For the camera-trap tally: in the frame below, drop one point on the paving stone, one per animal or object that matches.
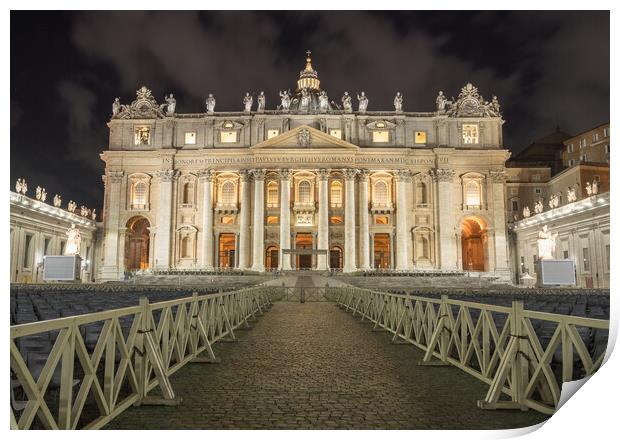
(313, 366)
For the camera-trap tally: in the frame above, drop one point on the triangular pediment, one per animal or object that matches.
(305, 138)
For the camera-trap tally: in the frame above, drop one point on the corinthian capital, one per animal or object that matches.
(115, 176)
(323, 173)
(442, 174)
(349, 173)
(259, 174)
(206, 175)
(167, 175)
(285, 174)
(498, 175)
(245, 175)
(402, 175)
(363, 175)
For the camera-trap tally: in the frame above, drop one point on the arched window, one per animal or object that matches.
(336, 193)
(304, 192)
(272, 194)
(139, 194)
(472, 194)
(186, 247)
(420, 193)
(228, 193)
(188, 193)
(381, 193)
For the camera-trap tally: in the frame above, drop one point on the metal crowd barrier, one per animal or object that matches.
(499, 347)
(137, 349)
(302, 294)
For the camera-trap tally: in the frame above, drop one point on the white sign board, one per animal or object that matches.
(61, 267)
(556, 273)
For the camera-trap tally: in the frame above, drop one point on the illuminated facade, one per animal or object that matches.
(310, 185)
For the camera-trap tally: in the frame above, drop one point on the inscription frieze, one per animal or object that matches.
(250, 160)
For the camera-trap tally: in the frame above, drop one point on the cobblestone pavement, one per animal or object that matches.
(314, 366)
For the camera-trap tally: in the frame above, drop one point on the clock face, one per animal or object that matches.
(469, 107)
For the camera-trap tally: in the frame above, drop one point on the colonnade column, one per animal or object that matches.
(403, 178)
(244, 220)
(323, 223)
(499, 223)
(164, 218)
(206, 177)
(109, 271)
(445, 213)
(349, 220)
(284, 262)
(258, 248)
(364, 231)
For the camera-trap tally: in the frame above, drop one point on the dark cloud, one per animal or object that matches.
(547, 68)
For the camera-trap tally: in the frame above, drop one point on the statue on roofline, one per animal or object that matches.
(211, 103)
(247, 102)
(362, 102)
(398, 102)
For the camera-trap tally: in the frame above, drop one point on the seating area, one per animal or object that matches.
(410, 280)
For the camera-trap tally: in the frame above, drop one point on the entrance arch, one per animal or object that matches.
(335, 257)
(271, 257)
(473, 244)
(137, 244)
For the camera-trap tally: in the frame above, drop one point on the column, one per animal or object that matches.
(403, 180)
(363, 212)
(164, 218)
(258, 248)
(109, 271)
(349, 220)
(499, 223)
(284, 261)
(323, 221)
(244, 221)
(206, 177)
(445, 213)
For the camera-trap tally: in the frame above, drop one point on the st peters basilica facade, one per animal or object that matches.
(309, 185)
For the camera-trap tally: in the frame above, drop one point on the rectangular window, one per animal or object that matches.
(380, 137)
(420, 137)
(536, 178)
(571, 163)
(595, 137)
(537, 191)
(142, 136)
(227, 220)
(571, 148)
(382, 220)
(523, 265)
(565, 255)
(607, 148)
(582, 143)
(46, 246)
(62, 247)
(272, 133)
(190, 138)
(335, 133)
(273, 219)
(606, 132)
(585, 252)
(27, 249)
(583, 158)
(470, 133)
(515, 205)
(228, 137)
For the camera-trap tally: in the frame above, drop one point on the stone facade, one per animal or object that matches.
(305, 186)
(583, 229)
(39, 229)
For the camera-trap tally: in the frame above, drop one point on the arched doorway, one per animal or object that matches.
(271, 258)
(473, 242)
(137, 244)
(303, 240)
(335, 258)
(382, 251)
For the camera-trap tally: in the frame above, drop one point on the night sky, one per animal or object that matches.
(547, 68)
